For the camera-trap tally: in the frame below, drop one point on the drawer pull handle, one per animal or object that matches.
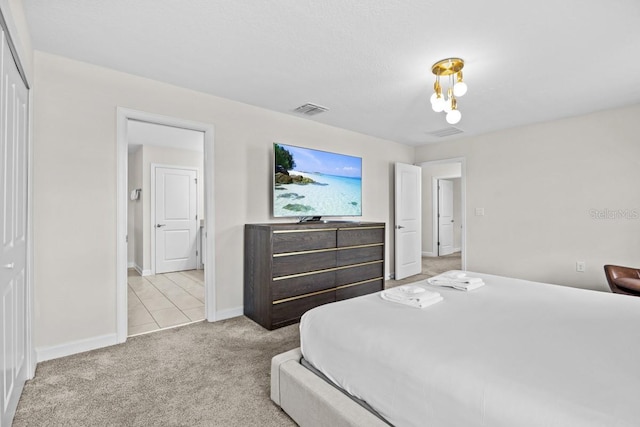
(326, 270)
(324, 291)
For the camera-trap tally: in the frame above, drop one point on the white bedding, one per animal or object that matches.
(512, 353)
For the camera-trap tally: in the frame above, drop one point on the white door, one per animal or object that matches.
(13, 255)
(176, 223)
(445, 217)
(408, 213)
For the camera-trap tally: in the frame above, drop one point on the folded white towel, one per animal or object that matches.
(411, 295)
(469, 286)
(453, 274)
(450, 280)
(456, 279)
(407, 290)
(426, 296)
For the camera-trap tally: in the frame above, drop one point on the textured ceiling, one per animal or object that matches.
(368, 61)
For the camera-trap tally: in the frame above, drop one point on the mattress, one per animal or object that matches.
(511, 353)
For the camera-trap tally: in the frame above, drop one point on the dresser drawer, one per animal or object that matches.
(359, 255)
(290, 312)
(358, 290)
(360, 236)
(300, 285)
(301, 263)
(303, 240)
(349, 275)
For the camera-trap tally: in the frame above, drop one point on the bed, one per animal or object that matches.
(511, 353)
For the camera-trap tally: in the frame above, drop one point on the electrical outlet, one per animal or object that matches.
(580, 266)
(479, 211)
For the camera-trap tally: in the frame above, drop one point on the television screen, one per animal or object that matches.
(313, 183)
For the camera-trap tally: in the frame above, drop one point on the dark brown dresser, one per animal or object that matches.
(291, 268)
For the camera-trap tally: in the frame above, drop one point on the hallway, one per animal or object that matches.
(164, 300)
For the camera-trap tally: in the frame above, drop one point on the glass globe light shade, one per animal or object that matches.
(434, 97)
(438, 105)
(453, 117)
(459, 88)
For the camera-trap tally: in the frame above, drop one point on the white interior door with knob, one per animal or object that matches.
(445, 217)
(408, 213)
(13, 233)
(176, 222)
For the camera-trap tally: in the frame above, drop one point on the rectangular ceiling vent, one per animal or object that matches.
(441, 133)
(310, 109)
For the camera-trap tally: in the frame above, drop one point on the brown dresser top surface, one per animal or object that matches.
(316, 224)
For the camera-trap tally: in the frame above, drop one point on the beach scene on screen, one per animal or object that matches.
(316, 183)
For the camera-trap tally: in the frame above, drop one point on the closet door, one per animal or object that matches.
(13, 226)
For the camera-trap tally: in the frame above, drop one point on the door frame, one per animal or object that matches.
(32, 357)
(463, 203)
(123, 116)
(152, 209)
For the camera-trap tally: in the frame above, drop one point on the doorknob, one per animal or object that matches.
(451, 220)
(160, 225)
(9, 266)
(398, 227)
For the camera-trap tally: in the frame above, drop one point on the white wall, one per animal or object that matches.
(430, 171)
(75, 154)
(541, 186)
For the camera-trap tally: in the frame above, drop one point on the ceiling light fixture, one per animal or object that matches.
(451, 68)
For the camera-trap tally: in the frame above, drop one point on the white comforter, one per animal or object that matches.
(512, 353)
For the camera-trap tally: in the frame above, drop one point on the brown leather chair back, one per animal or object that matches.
(623, 280)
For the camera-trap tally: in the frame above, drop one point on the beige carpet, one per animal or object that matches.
(203, 374)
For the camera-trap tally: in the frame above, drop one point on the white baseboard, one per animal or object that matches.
(457, 250)
(74, 347)
(131, 264)
(229, 313)
(141, 271)
(80, 346)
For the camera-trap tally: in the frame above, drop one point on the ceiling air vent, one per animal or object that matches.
(441, 133)
(309, 109)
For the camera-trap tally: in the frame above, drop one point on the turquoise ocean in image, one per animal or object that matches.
(330, 195)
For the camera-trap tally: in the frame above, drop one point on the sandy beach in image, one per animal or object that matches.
(329, 195)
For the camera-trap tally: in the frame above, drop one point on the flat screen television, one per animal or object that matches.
(312, 183)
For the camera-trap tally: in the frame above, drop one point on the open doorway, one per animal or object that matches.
(433, 262)
(443, 216)
(165, 276)
(447, 210)
(165, 196)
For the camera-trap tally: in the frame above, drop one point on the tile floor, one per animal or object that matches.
(164, 300)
